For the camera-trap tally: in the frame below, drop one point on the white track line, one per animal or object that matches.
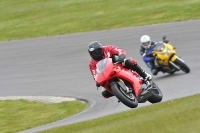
(44, 99)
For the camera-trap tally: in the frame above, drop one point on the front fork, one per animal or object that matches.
(172, 62)
(144, 94)
(125, 88)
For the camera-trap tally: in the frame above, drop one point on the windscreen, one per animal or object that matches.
(159, 47)
(101, 65)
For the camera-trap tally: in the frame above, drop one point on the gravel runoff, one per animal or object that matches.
(43, 99)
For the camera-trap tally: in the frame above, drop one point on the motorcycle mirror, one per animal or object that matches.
(164, 37)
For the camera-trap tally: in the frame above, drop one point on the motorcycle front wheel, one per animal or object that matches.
(156, 94)
(182, 65)
(127, 98)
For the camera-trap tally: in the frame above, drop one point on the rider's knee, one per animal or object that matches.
(130, 62)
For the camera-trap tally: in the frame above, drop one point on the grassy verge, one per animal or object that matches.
(21, 114)
(175, 116)
(24, 19)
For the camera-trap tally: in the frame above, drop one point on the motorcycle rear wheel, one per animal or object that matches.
(128, 99)
(157, 95)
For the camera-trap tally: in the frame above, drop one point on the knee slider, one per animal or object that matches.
(130, 62)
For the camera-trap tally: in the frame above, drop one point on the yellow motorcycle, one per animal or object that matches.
(166, 59)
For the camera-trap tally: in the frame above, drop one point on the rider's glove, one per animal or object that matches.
(121, 58)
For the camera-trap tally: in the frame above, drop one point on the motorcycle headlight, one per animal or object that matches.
(168, 52)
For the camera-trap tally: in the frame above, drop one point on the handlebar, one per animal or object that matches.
(116, 63)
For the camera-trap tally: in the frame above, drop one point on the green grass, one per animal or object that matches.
(174, 116)
(34, 18)
(21, 114)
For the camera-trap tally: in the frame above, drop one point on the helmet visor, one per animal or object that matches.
(145, 43)
(97, 54)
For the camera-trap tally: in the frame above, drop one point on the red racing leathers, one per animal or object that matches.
(108, 52)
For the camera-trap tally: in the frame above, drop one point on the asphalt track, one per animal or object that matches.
(58, 66)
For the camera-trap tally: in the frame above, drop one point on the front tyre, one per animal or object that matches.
(182, 65)
(156, 94)
(127, 98)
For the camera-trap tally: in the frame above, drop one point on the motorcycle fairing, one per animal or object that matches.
(131, 78)
(164, 52)
(116, 71)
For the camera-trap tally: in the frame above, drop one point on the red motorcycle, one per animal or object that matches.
(126, 84)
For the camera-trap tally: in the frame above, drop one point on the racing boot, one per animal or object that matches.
(154, 71)
(105, 93)
(146, 77)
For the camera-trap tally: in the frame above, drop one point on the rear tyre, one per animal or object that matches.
(182, 65)
(128, 99)
(156, 94)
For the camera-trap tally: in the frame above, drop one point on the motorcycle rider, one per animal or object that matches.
(99, 52)
(146, 52)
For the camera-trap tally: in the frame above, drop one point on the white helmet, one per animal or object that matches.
(146, 41)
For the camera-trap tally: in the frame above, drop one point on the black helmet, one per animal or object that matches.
(95, 50)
